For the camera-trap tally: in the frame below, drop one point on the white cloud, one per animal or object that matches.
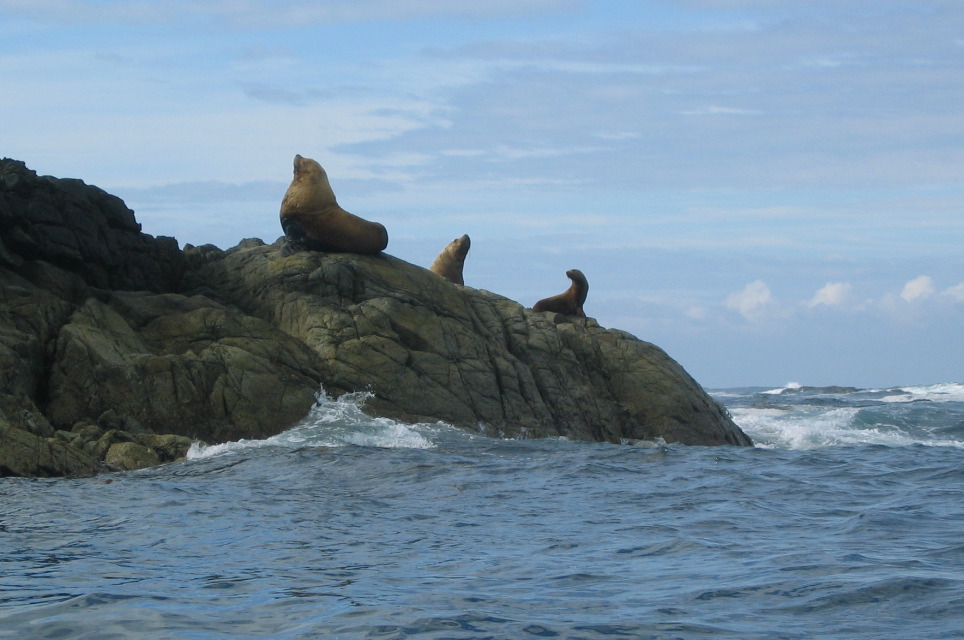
(956, 292)
(721, 111)
(696, 313)
(751, 301)
(832, 294)
(919, 287)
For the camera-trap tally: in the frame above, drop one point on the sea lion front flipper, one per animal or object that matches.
(295, 237)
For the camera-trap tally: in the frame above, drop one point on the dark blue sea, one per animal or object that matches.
(845, 521)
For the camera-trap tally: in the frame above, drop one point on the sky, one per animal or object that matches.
(772, 191)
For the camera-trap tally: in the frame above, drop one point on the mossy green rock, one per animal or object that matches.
(181, 365)
(127, 456)
(25, 454)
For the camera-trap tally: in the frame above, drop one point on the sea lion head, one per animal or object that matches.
(577, 276)
(309, 189)
(580, 285)
(450, 261)
(460, 246)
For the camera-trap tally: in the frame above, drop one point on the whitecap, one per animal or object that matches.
(332, 423)
(943, 392)
(812, 428)
(791, 386)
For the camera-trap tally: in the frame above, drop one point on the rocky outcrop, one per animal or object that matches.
(110, 337)
(80, 229)
(179, 364)
(431, 350)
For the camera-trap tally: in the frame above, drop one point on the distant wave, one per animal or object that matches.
(791, 386)
(945, 392)
(800, 417)
(796, 387)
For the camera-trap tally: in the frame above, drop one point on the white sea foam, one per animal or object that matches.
(945, 392)
(331, 423)
(791, 386)
(813, 429)
(723, 393)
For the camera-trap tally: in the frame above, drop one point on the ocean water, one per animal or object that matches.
(845, 521)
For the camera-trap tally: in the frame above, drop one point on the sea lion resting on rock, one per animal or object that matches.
(449, 263)
(312, 219)
(569, 302)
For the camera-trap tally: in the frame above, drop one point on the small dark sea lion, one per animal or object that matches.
(570, 301)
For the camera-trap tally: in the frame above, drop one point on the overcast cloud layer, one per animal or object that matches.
(770, 191)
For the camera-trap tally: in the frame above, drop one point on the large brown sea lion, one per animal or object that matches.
(312, 219)
(449, 263)
(569, 302)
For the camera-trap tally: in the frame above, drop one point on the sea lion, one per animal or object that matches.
(449, 263)
(569, 302)
(312, 218)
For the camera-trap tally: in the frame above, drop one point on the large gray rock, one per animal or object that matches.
(432, 350)
(29, 319)
(127, 456)
(180, 365)
(117, 349)
(25, 454)
(81, 229)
